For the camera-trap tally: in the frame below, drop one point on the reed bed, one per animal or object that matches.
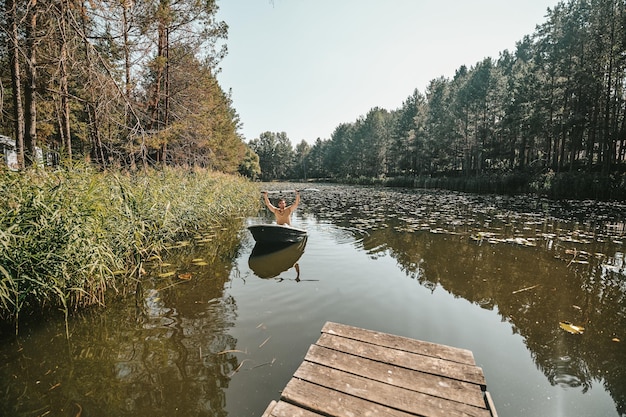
(68, 237)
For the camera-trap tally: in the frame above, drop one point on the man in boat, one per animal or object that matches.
(282, 212)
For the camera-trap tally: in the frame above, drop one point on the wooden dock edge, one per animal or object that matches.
(490, 404)
(268, 410)
(326, 385)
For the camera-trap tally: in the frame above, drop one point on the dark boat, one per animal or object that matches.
(273, 233)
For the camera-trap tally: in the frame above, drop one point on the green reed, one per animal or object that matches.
(68, 237)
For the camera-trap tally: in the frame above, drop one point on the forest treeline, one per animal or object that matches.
(121, 83)
(132, 83)
(548, 117)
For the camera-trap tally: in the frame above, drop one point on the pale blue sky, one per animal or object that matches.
(305, 66)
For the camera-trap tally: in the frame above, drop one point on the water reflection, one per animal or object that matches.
(537, 262)
(198, 333)
(269, 260)
(165, 350)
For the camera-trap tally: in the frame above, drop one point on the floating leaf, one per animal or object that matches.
(180, 244)
(166, 274)
(185, 276)
(571, 328)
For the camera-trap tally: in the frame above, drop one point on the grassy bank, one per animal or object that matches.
(67, 238)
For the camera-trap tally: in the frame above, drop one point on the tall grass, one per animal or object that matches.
(68, 237)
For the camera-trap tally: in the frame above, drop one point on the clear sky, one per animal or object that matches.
(305, 66)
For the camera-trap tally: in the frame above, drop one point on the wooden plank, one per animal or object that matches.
(380, 393)
(284, 409)
(402, 343)
(351, 371)
(490, 404)
(417, 362)
(332, 403)
(268, 410)
(450, 389)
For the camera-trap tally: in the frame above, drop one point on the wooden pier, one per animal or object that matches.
(350, 371)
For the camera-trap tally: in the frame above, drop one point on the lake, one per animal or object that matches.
(534, 288)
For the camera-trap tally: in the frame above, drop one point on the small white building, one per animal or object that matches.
(9, 153)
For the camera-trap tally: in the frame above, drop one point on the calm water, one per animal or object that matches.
(494, 275)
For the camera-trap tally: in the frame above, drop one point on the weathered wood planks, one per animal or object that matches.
(352, 371)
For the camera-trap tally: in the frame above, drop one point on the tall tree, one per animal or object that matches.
(91, 97)
(440, 125)
(30, 90)
(408, 153)
(301, 155)
(338, 152)
(16, 78)
(249, 166)
(374, 134)
(62, 13)
(275, 154)
(316, 159)
(203, 131)
(174, 21)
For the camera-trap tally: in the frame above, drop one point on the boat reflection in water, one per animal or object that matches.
(268, 260)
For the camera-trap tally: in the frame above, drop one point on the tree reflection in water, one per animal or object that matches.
(168, 353)
(568, 265)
